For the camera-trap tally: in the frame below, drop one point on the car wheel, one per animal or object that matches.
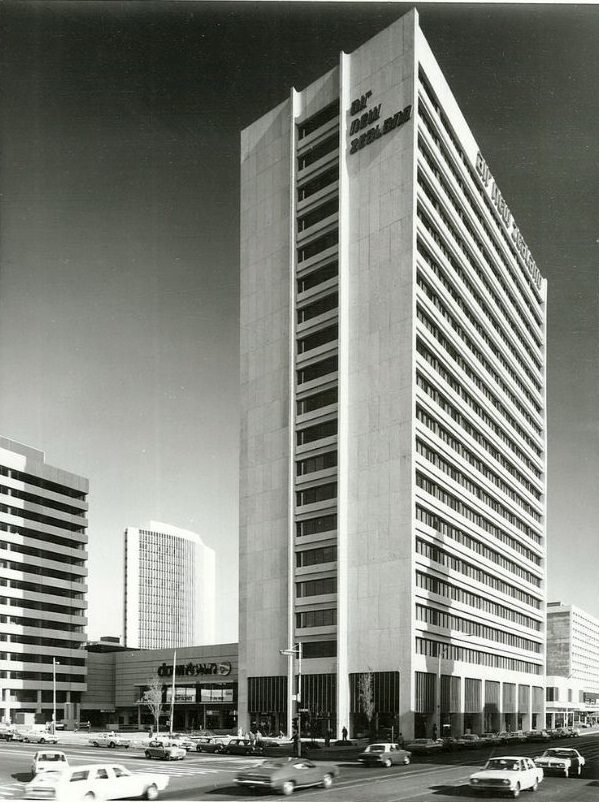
(41, 741)
(95, 743)
(533, 788)
(111, 745)
(89, 797)
(387, 763)
(148, 755)
(406, 761)
(516, 791)
(151, 792)
(287, 788)
(327, 781)
(198, 748)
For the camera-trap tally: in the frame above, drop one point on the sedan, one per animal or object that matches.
(385, 754)
(425, 745)
(564, 761)
(284, 776)
(163, 750)
(100, 780)
(34, 737)
(508, 774)
(242, 746)
(214, 745)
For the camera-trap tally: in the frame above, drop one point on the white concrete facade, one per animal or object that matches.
(43, 585)
(169, 581)
(392, 512)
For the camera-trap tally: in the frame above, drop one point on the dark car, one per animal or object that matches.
(243, 746)
(213, 744)
(284, 776)
(384, 754)
(163, 750)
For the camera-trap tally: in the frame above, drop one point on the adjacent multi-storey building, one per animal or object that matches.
(43, 585)
(572, 665)
(169, 597)
(393, 446)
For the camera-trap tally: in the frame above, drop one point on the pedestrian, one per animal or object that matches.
(327, 738)
(344, 733)
(295, 739)
(434, 732)
(400, 740)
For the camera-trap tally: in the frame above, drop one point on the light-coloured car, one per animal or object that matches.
(111, 740)
(384, 754)
(39, 737)
(425, 745)
(48, 760)
(563, 761)
(508, 775)
(285, 776)
(98, 781)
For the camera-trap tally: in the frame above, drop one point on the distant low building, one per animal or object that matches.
(169, 598)
(572, 682)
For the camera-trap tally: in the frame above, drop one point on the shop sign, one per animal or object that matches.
(367, 116)
(195, 669)
(507, 218)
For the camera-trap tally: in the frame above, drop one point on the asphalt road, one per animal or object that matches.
(210, 778)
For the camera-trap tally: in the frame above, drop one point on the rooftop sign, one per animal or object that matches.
(507, 218)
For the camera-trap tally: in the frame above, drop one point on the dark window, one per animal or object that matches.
(319, 182)
(317, 370)
(317, 401)
(316, 215)
(316, 618)
(317, 463)
(316, 587)
(326, 554)
(312, 495)
(318, 307)
(314, 526)
(317, 277)
(317, 245)
(319, 648)
(313, 433)
(321, 337)
(317, 120)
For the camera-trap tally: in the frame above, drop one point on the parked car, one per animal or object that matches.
(490, 738)
(563, 761)
(111, 740)
(99, 780)
(573, 732)
(470, 741)
(537, 735)
(48, 760)
(285, 776)
(425, 745)
(384, 754)
(11, 734)
(213, 744)
(243, 746)
(164, 750)
(508, 774)
(39, 737)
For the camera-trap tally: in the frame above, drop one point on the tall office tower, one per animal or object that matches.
(573, 645)
(392, 513)
(43, 586)
(169, 597)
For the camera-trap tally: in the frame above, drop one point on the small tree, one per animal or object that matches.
(152, 698)
(366, 696)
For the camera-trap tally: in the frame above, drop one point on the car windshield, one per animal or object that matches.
(272, 764)
(558, 753)
(502, 764)
(375, 748)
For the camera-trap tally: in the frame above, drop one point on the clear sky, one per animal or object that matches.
(119, 256)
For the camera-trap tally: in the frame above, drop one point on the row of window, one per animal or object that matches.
(320, 337)
(447, 589)
(317, 120)
(42, 554)
(460, 391)
(476, 183)
(45, 624)
(444, 558)
(318, 307)
(36, 481)
(459, 272)
(447, 530)
(482, 467)
(38, 640)
(460, 301)
(42, 519)
(317, 525)
(431, 648)
(457, 327)
(41, 501)
(41, 571)
(318, 463)
(318, 214)
(324, 179)
(318, 151)
(311, 495)
(440, 618)
(45, 537)
(316, 246)
(30, 604)
(458, 209)
(317, 432)
(35, 587)
(317, 370)
(473, 488)
(318, 400)
(482, 387)
(316, 618)
(316, 587)
(323, 554)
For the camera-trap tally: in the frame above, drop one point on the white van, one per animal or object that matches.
(48, 760)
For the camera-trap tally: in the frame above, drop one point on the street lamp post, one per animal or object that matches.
(54, 664)
(295, 653)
